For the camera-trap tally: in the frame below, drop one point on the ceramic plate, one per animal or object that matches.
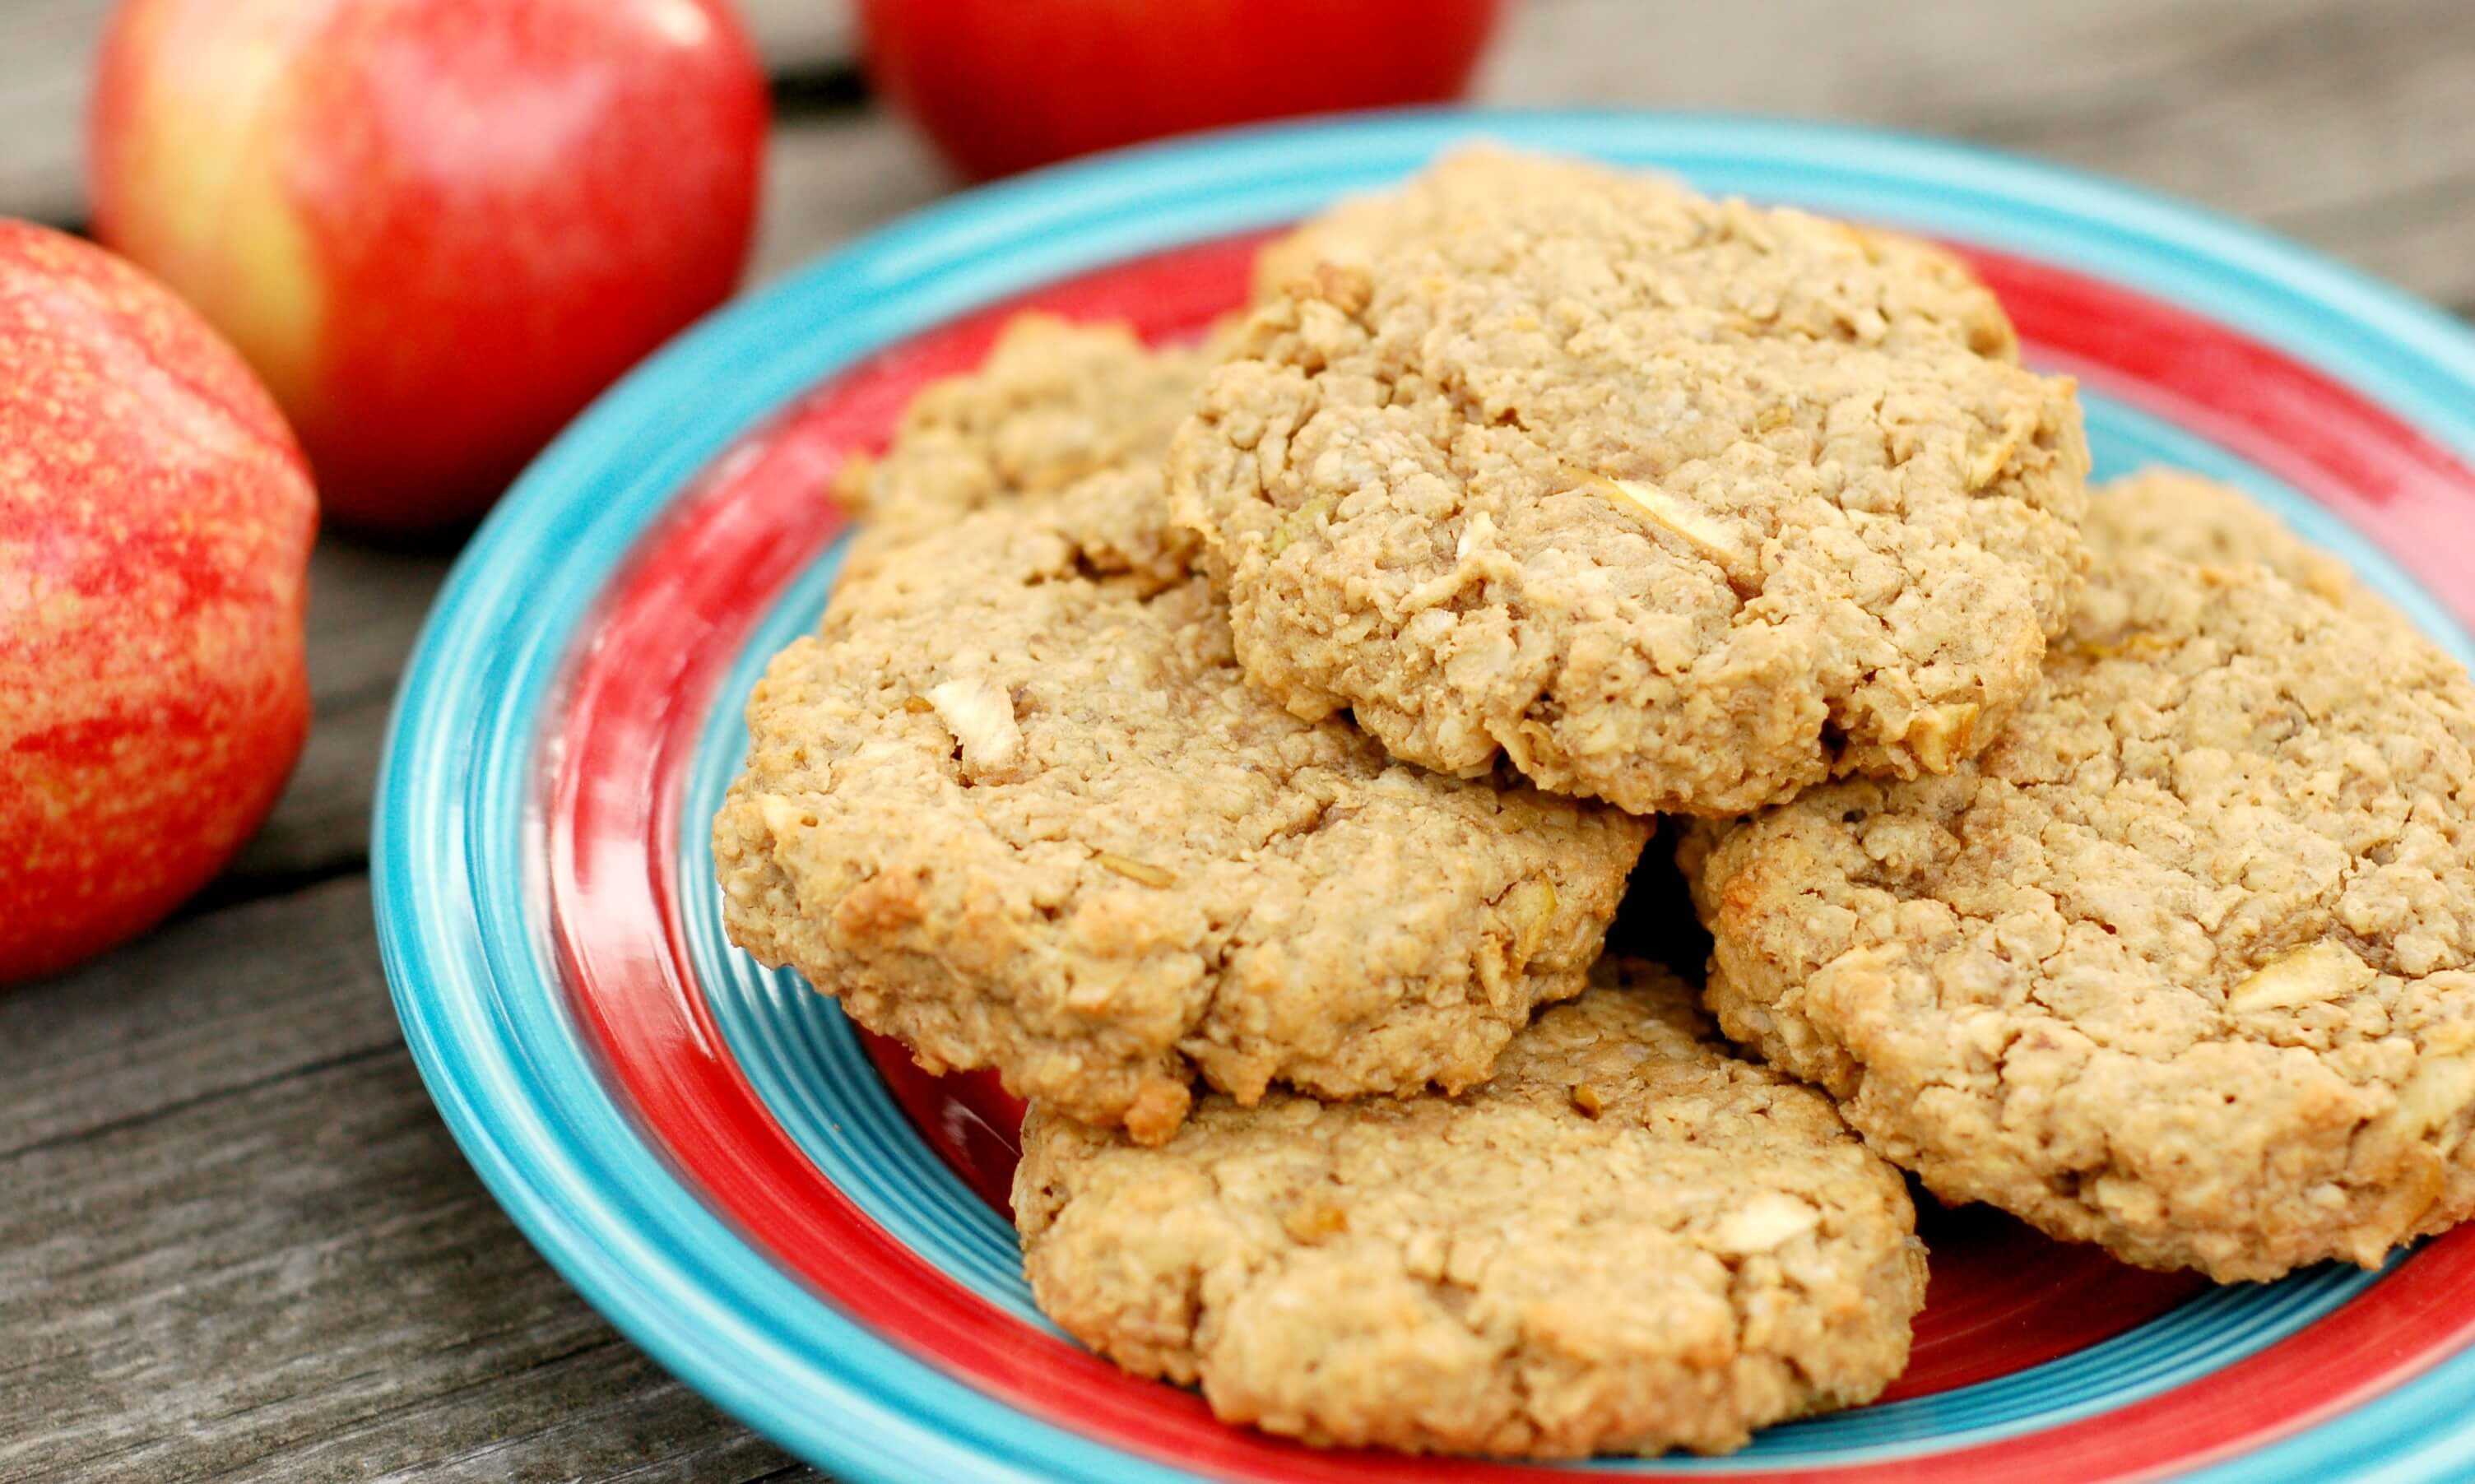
(811, 1232)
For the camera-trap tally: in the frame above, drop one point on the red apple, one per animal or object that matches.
(1005, 85)
(435, 227)
(154, 527)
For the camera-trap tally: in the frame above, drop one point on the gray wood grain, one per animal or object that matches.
(235, 1240)
(238, 1243)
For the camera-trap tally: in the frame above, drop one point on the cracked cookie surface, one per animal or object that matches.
(1674, 502)
(1014, 804)
(2180, 965)
(1628, 1240)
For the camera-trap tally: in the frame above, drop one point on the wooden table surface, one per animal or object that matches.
(236, 1242)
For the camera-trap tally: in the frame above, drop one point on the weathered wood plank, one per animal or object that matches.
(190, 1013)
(46, 48)
(237, 1242)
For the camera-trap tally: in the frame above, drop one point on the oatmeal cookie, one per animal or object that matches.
(2171, 513)
(1015, 805)
(2180, 965)
(1628, 1241)
(1679, 503)
(1080, 413)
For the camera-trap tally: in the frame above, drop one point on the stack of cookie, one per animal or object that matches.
(1243, 749)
